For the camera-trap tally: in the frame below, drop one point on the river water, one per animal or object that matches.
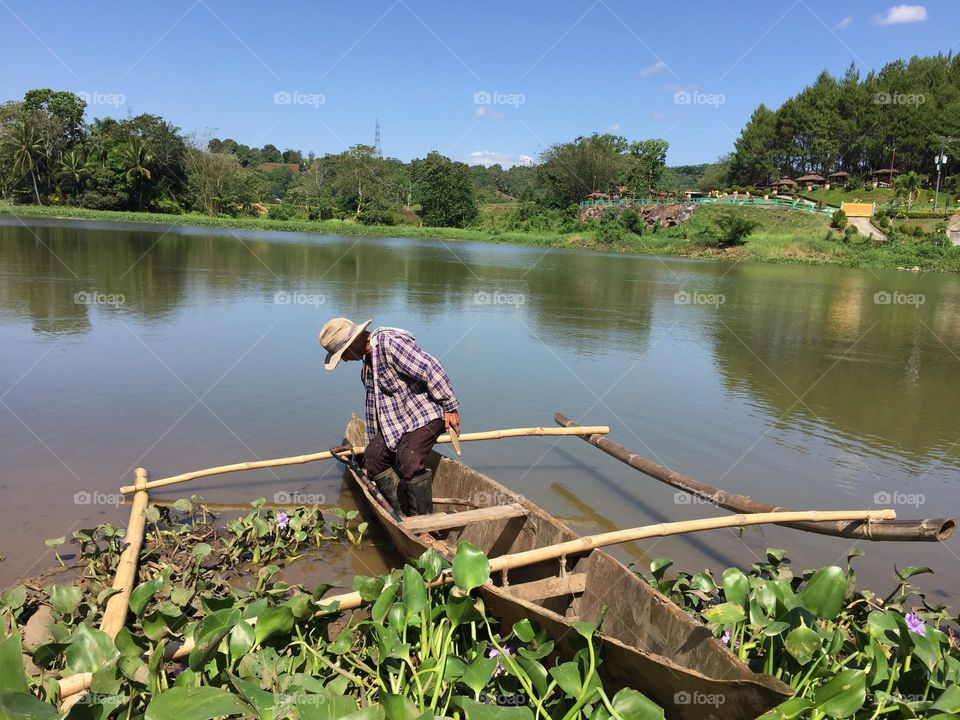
(181, 348)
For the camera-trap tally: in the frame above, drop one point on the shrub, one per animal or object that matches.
(850, 232)
(168, 206)
(632, 221)
(839, 220)
(281, 212)
(732, 229)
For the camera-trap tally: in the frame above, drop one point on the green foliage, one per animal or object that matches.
(839, 220)
(732, 228)
(847, 653)
(281, 212)
(444, 190)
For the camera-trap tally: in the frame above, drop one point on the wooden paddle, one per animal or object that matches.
(326, 455)
(455, 441)
(347, 601)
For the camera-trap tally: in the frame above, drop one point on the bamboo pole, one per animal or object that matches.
(115, 613)
(930, 530)
(349, 601)
(326, 455)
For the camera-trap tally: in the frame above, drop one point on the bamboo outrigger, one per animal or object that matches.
(929, 530)
(650, 643)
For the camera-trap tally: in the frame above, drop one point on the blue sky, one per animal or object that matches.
(476, 81)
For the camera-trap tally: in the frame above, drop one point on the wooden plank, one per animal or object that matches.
(444, 521)
(549, 587)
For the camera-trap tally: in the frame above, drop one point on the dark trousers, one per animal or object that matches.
(408, 459)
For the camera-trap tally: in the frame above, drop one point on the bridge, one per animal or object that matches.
(759, 202)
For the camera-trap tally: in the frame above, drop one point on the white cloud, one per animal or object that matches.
(659, 116)
(613, 128)
(900, 14)
(658, 66)
(843, 24)
(491, 157)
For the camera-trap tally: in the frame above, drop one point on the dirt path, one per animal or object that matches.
(864, 227)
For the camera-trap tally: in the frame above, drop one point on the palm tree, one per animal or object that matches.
(72, 169)
(136, 158)
(910, 183)
(25, 144)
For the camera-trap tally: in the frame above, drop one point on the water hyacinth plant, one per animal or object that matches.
(415, 650)
(849, 654)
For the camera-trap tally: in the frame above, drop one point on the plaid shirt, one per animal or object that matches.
(405, 387)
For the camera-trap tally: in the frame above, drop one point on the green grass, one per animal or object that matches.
(782, 235)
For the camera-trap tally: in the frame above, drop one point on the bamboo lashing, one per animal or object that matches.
(349, 601)
(326, 455)
(115, 612)
(929, 530)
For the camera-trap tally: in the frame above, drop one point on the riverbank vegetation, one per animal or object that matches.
(264, 648)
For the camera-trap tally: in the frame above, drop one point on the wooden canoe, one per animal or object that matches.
(650, 643)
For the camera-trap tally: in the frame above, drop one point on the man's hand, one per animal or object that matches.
(343, 447)
(451, 420)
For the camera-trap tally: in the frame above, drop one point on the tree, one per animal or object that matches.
(444, 190)
(136, 161)
(71, 172)
(754, 158)
(732, 229)
(361, 186)
(312, 190)
(26, 147)
(216, 180)
(568, 172)
(649, 158)
(271, 154)
(910, 183)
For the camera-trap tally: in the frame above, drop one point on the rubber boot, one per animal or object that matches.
(388, 483)
(418, 494)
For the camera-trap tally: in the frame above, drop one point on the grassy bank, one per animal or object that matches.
(781, 235)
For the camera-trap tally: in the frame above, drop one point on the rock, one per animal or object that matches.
(953, 228)
(915, 268)
(664, 215)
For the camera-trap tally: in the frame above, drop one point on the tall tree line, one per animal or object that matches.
(857, 124)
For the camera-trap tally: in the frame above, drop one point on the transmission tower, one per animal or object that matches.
(378, 151)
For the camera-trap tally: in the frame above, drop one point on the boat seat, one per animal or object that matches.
(445, 521)
(549, 587)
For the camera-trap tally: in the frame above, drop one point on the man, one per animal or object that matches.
(409, 403)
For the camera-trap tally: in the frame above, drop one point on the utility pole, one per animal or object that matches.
(376, 141)
(940, 160)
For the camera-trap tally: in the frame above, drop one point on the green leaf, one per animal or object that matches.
(142, 593)
(263, 701)
(523, 629)
(803, 644)
(634, 705)
(23, 706)
(273, 621)
(379, 610)
(13, 678)
(536, 672)
(479, 672)
(843, 695)
(201, 551)
(909, 572)
(480, 711)
(195, 703)
(89, 649)
(326, 706)
(208, 635)
(788, 710)
(736, 586)
(183, 505)
(242, 639)
(414, 592)
(949, 701)
(823, 594)
(567, 676)
(461, 610)
(432, 564)
(725, 614)
(14, 597)
(471, 568)
(65, 598)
